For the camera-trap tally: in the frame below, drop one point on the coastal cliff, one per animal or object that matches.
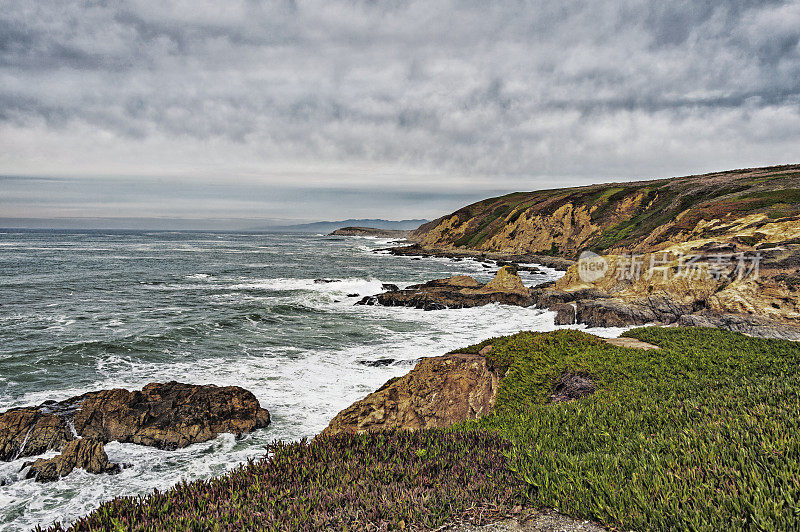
(751, 207)
(717, 249)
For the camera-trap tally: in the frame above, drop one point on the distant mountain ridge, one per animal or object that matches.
(328, 227)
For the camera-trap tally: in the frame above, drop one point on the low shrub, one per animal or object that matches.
(374, 481)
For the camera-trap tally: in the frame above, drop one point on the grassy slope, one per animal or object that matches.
(701, 435)
(674, 205)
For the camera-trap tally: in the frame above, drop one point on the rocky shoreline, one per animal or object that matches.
(370, 231)
(460, 291)
(516, 259)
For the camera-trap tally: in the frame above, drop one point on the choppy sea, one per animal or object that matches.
(83, 311)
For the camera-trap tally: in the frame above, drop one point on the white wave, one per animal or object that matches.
(336, 287)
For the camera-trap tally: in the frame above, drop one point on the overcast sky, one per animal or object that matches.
(336, 109)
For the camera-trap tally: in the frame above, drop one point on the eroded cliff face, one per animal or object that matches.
(752, 213)
(758, 205)
(438, 392)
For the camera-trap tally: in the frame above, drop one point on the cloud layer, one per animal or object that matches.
(446, 93)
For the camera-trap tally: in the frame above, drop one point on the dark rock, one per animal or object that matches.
(85, 453)
(565, 313)
(557, 263)
(390, 287)
(612, 313)
(353, 295)
(166, 416)
(28, 432)
(377, 363)
(325, 281)
(572, 386)
(547, 297)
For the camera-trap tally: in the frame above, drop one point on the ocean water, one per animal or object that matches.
(83, 311)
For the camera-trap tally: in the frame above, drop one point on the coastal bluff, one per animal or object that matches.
(713, 250)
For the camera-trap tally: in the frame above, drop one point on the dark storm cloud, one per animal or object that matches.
(517, 93)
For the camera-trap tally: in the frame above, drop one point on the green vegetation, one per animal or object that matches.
(376, 481)
(703, 434)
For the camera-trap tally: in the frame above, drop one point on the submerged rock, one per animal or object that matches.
(85, 453)
(438, 392)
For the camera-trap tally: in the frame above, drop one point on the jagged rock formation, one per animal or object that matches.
(460, 291)
(85, 453)
(417, 250)
(438, 392)
(29, 431)
(166, 416)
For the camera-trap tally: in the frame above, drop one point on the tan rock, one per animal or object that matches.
(507, 281)
(438, 392)
(633, 343)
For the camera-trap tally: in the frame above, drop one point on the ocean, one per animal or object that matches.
(83, 311)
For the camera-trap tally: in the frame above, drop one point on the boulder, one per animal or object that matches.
(85, 453)
(507, 281)
(612, 313)
(565, 313)
(438, 392)
(166, 416)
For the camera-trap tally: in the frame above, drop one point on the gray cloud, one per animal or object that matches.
(501, 95)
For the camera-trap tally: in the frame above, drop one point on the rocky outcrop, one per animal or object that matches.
(461, 291)
(30, 431)
(166, 416)
(438, 392)
(610, 313)
(85, 453)
(370, 231)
